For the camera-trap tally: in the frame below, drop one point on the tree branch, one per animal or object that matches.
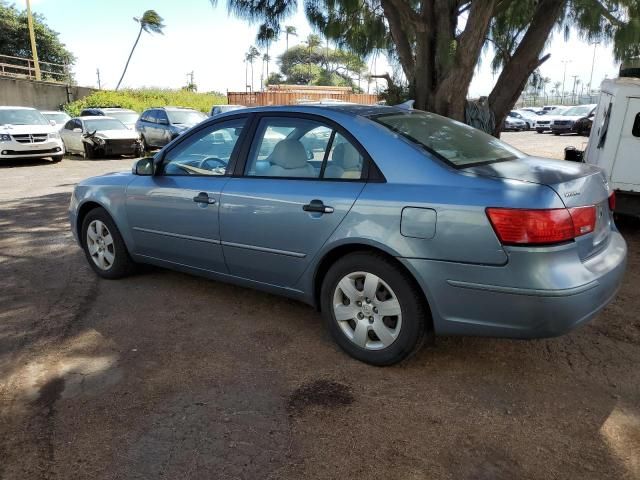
(400, 38)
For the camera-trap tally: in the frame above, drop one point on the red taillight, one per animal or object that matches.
(612, 201)
(526, 227)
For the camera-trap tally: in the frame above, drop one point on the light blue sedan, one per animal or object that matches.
(396, 224)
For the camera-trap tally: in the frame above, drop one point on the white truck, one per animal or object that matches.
(614, 141)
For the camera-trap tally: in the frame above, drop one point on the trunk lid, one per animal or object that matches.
(577, 185)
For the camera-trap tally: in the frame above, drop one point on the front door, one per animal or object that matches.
(174, 215)
(300, 180)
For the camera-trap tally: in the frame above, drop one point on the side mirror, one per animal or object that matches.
(52, 123)
(144, 166)
(77, 130)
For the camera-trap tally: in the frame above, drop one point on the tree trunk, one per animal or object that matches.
(129, 59)
(524, 61)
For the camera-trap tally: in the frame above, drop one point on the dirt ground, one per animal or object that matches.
(164, 375)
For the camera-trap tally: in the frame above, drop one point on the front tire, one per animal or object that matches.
(374, 310)
(56, 158)
(89, 152)
(103, 246)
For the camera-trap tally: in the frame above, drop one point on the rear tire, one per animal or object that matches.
(103, 246)
(539, 131)
(356, 292)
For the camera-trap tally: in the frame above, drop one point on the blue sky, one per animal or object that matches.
(206, 40)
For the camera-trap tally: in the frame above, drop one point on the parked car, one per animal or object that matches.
(543, 123)
(583, 125)
(512, 123)
(60, 118)
(529, 118)
(410, 224)
(534, 110)
(218, 109)
(566, 122)
(100, 136)
(125, 115)
(25, 133)
(158, 126)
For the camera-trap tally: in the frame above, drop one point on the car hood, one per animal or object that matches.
(26, 129)
(117, 134)
(569, 117)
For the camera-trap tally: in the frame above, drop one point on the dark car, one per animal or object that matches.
(583, 126)
(126, 116)
(158, 126)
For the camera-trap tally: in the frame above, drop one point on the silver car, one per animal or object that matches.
(396, 224)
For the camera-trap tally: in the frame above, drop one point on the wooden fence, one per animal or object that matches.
(255, 99)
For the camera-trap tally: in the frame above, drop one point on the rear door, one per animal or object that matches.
(280, 209)
(626, 169)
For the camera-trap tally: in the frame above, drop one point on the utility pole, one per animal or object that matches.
(573, 90)
(564, 75)
(190, 79)
(593, 62)
(98, 74)
(32, 35)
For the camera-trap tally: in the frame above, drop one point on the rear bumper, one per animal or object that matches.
(536, 295)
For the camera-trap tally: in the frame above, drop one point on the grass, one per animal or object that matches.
(141, 99)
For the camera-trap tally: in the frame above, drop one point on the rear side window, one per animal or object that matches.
(454, 142)
(635, 131)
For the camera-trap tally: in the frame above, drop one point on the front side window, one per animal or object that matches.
(455, 142)
(207, 152)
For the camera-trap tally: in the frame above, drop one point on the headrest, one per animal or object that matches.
(289, 153)
(346, 156)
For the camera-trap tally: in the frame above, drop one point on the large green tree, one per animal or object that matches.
(14, 40)
(437, 43)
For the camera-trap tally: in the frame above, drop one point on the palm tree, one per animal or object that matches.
(265, 59)
(150, 22)
(290, 30)
(265, 36)
(250, 56)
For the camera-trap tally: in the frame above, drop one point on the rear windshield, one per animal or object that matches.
(187, 117)
(21, 116)
(454, 142)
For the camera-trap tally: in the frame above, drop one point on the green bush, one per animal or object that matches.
(142, 99)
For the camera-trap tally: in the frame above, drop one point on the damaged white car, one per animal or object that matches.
(97, 137)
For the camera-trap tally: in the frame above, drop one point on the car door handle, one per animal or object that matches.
(317, 206)
(202, 197)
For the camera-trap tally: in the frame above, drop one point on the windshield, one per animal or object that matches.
(59, 118)
(125, 117)
(22, 117)
(187, 117)
(457, 143)
(103, 124)
(581, 111)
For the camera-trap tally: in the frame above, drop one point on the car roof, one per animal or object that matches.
(53, 111)
(356, 110)
(8, 107)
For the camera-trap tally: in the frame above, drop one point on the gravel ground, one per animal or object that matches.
(164, 375)
(544, 144)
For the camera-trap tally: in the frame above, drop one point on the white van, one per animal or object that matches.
(25, 133)
(614, 142)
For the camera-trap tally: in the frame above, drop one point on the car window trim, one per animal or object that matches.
(160, 157)
(368, 166)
